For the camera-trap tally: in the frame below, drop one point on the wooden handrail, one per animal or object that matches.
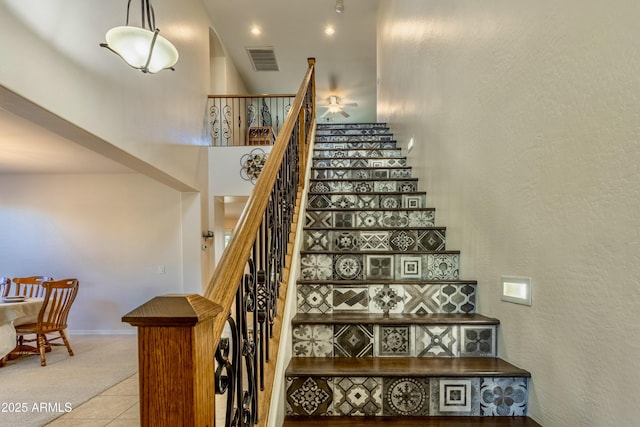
(179, 336)
(228, 274)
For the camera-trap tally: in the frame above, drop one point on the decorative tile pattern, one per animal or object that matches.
(358, 163)
(403, 240)
(368, 219)
(431, 240)
(422, 299)
(367, 202)
(407, 186)
(316, 267)
(361, 174)
(395, 219)
(436, 340)
(313, 340)
(421, 218)
(353, 340)
(339, 174)
(309, 396)
(405, 396)
(411, 202)
(319, 201)
(319, 187)
(344, 201)
(316, 240)
(344, 220)
(409, 267)
(379, 267)
(455, 396)
(458, 299)
(385, 186)
(318, 219)
(341, 186)
(363, 187)
(393, 340)
(350, 298)
(390, 202)
(345, 241)
(386, 299)
(381, 174)
(315, 298)
(504, 396)
(443, 266)
(347, 267)
(400, 173)
(358, 396)
(478, 341)
(374, 240)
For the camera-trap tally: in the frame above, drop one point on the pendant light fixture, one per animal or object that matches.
(143, 48)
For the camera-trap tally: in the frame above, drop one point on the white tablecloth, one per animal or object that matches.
(8, 313)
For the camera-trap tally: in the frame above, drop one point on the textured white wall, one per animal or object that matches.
(525, 117)
(113, 240)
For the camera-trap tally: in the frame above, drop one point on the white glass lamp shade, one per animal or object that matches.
(135, 46)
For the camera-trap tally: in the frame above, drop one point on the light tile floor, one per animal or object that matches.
(115, 407)
(118, 406)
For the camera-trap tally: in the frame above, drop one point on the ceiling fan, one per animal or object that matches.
(335, 107)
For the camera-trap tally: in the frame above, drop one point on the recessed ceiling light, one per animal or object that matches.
(329, 30)
(255, 30)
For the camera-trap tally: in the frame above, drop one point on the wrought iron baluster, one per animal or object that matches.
(227, 120)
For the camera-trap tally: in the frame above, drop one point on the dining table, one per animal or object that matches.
(9, 313)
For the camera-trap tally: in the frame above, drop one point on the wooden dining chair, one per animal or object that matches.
(4, 282)
(30, 287)
(52, 319)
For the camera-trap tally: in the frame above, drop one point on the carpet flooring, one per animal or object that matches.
(100, 361)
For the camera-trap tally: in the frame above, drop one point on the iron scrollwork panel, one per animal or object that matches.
(242, 356)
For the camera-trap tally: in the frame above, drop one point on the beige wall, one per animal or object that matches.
(114, 241)
(525, 122)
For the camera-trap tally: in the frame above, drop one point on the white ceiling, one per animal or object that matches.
(345, 61)
(345, 67)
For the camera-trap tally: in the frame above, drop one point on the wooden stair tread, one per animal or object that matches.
(393, 319)
(436, 421)
(403, 367)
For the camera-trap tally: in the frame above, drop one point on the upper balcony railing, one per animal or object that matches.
(247, 119)
(180, 336)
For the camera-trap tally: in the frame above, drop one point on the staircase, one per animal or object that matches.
(386, 332)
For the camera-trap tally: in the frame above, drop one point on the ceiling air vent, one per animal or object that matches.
(263, 58)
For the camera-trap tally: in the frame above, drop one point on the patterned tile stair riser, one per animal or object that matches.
(407, 396)
(341, 219)
(378, 284)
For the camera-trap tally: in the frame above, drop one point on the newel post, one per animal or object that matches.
(176, 360)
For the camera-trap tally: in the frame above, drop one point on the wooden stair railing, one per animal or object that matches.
(179, 335)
